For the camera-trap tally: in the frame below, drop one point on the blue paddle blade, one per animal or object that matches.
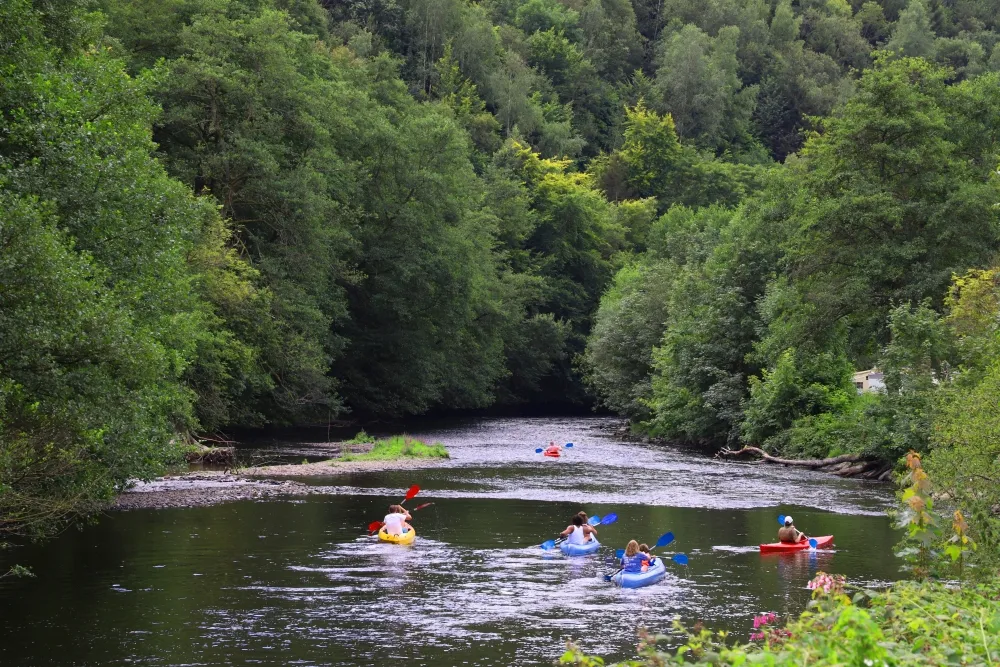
(549, 544)
(569, 444)
(610, 518)
(594, 520)
(664, 540)
(781, 518)
(619, 553)
(680, 559)
(538, 451)
(812, 543)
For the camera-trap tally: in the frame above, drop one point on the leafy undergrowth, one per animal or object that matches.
(912, 623)
(396, 447)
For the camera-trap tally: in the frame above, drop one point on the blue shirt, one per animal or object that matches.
(633, 564)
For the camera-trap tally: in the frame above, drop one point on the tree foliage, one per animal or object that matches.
(287, 211)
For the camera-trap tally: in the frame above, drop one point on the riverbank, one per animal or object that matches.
(912, 624)
(208, 487)
(850, 466)
(198, 489)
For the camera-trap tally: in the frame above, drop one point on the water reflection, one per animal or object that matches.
(297, 582)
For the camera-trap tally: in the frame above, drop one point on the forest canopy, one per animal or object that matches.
(702, 215)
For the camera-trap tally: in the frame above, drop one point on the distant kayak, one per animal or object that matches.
(580, 549)
(824, 542)
(554, 453)
(655, 573)
(405, 538)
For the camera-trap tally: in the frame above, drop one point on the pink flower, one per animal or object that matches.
(827, 583)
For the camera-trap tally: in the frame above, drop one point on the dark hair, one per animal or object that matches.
(644, 547)
(577, 521)
(582, 515)
(396, 509)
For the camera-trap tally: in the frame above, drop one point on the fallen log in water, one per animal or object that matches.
(803, 463)
(212, 455)
(845, 465)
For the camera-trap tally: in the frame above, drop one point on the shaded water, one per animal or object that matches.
(293, 582)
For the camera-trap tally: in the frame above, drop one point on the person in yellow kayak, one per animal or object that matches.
(396, 520)
(788, 534)
(578, 531)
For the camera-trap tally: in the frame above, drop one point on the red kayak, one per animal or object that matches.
(824, 542)
(551, 452)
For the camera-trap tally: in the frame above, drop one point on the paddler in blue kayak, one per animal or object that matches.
(578, 531)
(644, 549)
(635, 561)
(788, 534)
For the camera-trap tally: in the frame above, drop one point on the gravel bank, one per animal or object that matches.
(209, 487)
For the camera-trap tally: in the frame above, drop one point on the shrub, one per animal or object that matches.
(400, 447)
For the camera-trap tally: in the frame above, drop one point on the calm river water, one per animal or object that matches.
(294, 582)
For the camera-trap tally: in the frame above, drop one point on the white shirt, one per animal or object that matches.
(394, 523)
(577, 536)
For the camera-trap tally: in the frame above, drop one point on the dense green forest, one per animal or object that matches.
(703, 215)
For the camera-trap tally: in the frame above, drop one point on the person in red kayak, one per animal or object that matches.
(788, 534)
(553, 449)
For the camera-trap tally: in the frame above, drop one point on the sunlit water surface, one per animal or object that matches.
(294, 581)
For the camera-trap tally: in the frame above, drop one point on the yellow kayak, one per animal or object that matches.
(405, 538)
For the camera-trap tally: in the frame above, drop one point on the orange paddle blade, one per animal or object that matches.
(374, 526)
(414, 490)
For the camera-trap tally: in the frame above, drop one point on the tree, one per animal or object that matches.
(896, 198)
(633, 313)
(576, 81)
(702, 364)
(834, 31)
(697, 83)
(541, 15)
(107, 268)
(572, 247)
(610, 38)
(461, 95)
(652, 162)
(913, 35)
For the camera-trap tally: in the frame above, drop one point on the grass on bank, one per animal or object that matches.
(394, 448)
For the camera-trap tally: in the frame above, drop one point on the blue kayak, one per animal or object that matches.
(580, 549)
(656, 572)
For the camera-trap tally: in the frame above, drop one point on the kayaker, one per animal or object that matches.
(396, 520)
(553, 448)
(644, 548)
(578, 532)
(789, 534)
(634, 560)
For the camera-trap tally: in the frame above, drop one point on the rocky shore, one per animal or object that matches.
(194, 489)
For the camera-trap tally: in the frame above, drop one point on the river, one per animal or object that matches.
(294, 582)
